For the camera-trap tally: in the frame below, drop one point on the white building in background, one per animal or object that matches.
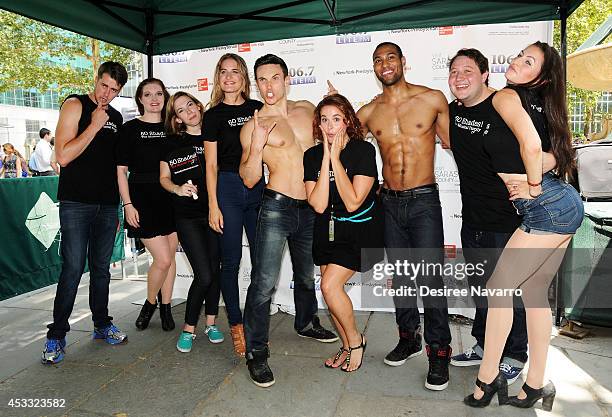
(24, 112)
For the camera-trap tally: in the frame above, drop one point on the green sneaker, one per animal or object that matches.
(185, 341)
(214, 334)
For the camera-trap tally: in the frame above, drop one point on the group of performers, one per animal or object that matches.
(196, 178)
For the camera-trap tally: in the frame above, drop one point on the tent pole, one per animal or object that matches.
(563, 15)
(559, 283)
(149, 40)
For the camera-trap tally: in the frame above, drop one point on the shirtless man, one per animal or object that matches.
(404, 119)
(278, 135)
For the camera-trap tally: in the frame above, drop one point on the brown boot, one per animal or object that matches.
(237, 332)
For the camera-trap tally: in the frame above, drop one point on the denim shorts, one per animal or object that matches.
(559, 209)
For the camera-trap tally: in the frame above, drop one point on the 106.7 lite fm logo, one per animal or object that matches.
(173, 57)
(302, 75)
(499, 63)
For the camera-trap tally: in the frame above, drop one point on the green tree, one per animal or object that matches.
(37, 55)
(580, 25)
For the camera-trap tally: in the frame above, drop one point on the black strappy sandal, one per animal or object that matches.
(340, 352)
(347, 361)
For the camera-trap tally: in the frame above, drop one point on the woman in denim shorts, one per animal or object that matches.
(534, 110)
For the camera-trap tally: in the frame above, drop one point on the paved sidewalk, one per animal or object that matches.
(149, 377)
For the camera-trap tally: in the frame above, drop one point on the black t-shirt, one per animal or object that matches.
(185, 157)
(92, 176)
(222, 124)
(139, 147)
(358, 158)
(483, 194)
(505, 150)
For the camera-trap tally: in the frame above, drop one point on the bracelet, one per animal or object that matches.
(534, 184)
(126, 204)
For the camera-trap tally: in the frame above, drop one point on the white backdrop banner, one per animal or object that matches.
(346, 60)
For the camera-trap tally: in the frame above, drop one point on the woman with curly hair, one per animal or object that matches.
(341, 183)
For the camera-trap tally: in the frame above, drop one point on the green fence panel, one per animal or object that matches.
(29, 235)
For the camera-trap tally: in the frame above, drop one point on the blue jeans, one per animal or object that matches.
(281, 220)
(239, 206)
(416, 222)
(558, 209)
(88, 231)
(478, 246)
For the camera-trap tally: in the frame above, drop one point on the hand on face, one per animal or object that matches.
(339, 142)
(99, 117)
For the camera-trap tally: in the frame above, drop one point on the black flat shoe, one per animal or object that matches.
(499, 385)
(146, 312)
(546, 393)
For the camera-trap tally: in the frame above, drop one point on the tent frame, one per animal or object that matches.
(330, 5)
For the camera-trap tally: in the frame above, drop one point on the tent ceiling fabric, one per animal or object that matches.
(591, 68)
(192, 24)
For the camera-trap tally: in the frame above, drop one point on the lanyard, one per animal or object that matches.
(354, 218)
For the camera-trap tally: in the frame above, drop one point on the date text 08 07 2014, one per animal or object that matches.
(37, 403)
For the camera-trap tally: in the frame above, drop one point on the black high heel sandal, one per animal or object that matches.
(347, 361)
(499, 385)
(340, 352)
(546, 393)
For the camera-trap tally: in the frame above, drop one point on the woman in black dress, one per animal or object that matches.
(341, 183)
(148, 209)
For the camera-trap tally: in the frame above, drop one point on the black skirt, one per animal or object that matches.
(154, 210)
(356, 246)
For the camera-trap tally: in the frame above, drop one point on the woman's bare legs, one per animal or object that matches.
(526, 257)
(163, 269)
(340, 305)
(539, 317)
(330, 361)
(168, 285)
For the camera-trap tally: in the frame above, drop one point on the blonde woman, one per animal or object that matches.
(233, 206)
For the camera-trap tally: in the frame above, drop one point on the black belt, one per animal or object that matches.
(412, 192)
(275, 195)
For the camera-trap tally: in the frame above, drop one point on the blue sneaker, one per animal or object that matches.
(467, 358)
(510, 372)
(54, 351)
(185, 342)
(214, 334)
(111, 334)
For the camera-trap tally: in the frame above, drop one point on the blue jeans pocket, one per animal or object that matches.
(561, 208)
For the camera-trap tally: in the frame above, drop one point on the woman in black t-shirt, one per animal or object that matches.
(232, 204)
(148, 210)
(341, 182)
(533, 106)
(182, 174)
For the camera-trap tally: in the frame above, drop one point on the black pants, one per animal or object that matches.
(201, 245)
(478, 246)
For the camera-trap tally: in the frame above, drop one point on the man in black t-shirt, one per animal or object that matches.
(86, 135)
(489, 219)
